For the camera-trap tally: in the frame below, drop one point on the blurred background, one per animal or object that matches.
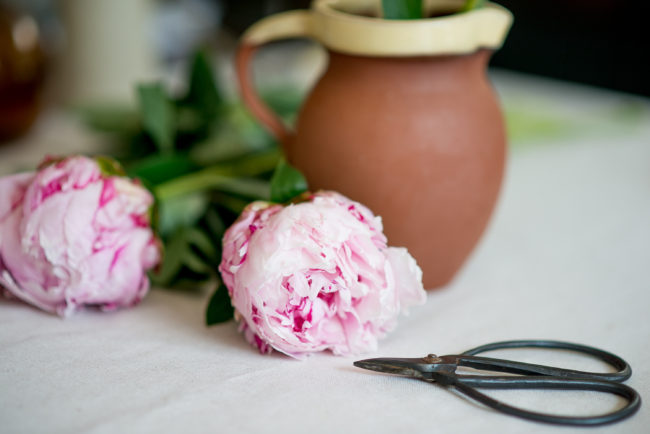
(76, 53)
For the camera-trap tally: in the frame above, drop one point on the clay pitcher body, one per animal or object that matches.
(403, 120)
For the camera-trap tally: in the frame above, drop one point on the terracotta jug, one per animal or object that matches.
(403, 120)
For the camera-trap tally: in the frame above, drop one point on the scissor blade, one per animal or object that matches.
(417, 367)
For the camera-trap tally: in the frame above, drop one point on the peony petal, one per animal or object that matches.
(12, 191)
(316, 276)
(408, 277)
(76, 238)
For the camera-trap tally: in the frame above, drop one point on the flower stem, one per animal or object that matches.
(236, 176)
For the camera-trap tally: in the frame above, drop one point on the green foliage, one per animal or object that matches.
(219, 308)
(111, 119)
(472, 4)
(202, 106)
(203, 93)
(189, 254)
(158, 168)
(109, 166)
(287, 182)
(157, 115)
(413, 9)
(402, 9)
(181, 211)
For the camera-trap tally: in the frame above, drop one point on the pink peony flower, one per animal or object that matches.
(316, 276)
(72, 236)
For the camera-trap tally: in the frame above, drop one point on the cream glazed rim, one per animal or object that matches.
(338, 25)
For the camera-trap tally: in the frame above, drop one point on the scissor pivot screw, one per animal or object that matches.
(432, 358)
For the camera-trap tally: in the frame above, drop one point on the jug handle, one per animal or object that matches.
(291, 24)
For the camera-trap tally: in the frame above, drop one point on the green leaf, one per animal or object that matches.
(214, 223)
(237, 133)
(252, 188)
(188, 249)
(109, 166)
(287, 182)
(181, 211)
(113, 119)
(203, 93)
(201, 241)
(233, 204)
(402, 9)
(472, 4)
(195, 263)
(284, 100)
(157, 115)
(251, 164)
(189, 120)
(172, 260)
(223, 176)
(158, 168)
(219, 308)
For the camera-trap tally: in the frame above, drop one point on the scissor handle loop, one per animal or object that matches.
(624, 371)
(544, 377)
(468, 386)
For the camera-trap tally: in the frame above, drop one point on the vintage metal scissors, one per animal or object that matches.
(442, 370)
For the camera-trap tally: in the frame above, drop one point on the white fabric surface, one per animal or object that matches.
(566, 257)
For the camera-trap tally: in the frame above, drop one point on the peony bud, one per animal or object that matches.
(73, 235)
(316, 276)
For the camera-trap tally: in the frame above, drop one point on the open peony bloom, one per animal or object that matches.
(316, 276)
(71, 236)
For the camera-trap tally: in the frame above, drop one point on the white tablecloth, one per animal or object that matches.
(566, 257)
